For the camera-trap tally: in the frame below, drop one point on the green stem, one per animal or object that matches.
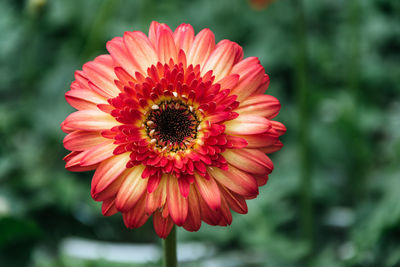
(303, 111)
(169, 248)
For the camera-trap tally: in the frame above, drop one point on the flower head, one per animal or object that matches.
(175, 126)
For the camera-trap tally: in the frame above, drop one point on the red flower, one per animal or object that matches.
(175, 127)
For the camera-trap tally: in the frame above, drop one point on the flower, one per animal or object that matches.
(175, 126)
(260, 4)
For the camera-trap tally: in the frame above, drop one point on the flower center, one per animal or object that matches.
(172, 125)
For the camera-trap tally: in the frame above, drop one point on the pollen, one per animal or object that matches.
(172, 124)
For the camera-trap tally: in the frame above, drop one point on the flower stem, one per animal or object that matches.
(169, 248)
(303, 111)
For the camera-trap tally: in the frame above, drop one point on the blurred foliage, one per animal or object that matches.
(352, 67)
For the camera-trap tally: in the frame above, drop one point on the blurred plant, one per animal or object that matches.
(260, 4)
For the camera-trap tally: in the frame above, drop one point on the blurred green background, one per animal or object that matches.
(334, 196)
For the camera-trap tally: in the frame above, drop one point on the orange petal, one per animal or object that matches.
(236, 180)
(247, 124)
(278, 127)
(209, 191)
(166, 48)
(222, 59)
(82, 140)
(177, 204)
(208, 215)
(261, 140)
(131, 189)
(141, 50)
(251, 76)
(225, 212)
(107, 172)
(121, 56)
(137, 216)
(229, 81)
(84, 98)
(156, 199)
(98, 153)
(108, 207)
(90, 120)
(249, 160)
(101, 73)
(162, 225)
(183, 37)
(202, 46)
(260, 105)
(193, 220)
(154, 31)
(236, 202)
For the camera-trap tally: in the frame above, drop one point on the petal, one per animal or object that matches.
(101, 73)
(156, 199)
(261, 179)
(131, 189)
(90, 120)
(222, 59)
(107, 172)
(236, 202)
(208, 215)
(202, 46)
(251, 76)
(98, 153)
(249, 160)
(193, 220)
(261, 105)
(108, 207)
(261, 140)
(166, 48)
(229, 81)
(137, 216)
(278, 127)
(177, 204)
(112, 189)
(209, 191)
(247, 124)
(225, 211)
(236, 180)
(154, 31)
(141, 50)
(72, 161)
(82, 140)
(262, 88)
(121, 56)
(162, 225)
(272, 148)
(183, 37)
(84, 99)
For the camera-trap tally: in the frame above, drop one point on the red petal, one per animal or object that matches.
(209, 191)
(177, 204)
(137, 216)
(247, 125)
(158, 198)
(162, 225)
(193, 220)
(108, 207)
(249, 160)
(260, 105)
(236, 180)
(236, 202)
(107, 172)
(202, 46)
(131, 189)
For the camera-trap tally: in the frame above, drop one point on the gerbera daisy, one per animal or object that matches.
(176, 127)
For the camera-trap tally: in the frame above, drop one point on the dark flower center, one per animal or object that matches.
(172, 124)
